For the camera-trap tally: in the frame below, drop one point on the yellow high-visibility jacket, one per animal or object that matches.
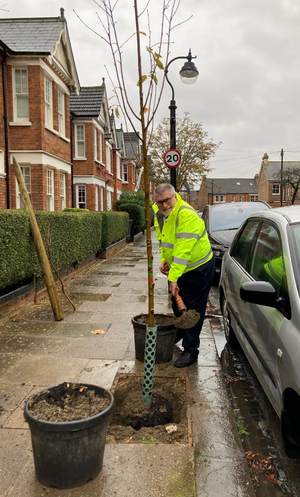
(183, 240)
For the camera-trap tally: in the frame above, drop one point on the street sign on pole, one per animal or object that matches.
(172, 158)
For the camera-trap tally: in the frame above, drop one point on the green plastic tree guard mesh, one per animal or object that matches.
(149, 362)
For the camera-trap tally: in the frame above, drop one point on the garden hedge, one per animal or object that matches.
(71, 236)
(138, 215)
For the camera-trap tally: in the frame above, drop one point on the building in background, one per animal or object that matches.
(38, 73)
(270, 184)
(224, 190)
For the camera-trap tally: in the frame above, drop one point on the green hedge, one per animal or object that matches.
(72, 237)
(114, 227)
(138, 215)
(16, 247)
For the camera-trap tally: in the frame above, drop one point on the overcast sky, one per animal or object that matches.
(248, 55)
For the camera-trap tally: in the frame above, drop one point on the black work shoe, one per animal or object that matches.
(186, 359)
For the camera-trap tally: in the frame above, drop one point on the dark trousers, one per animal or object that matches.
(194, 287)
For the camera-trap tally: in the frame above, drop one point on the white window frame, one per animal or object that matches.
(220, 199)
(96, 198)
(240, 198)
(62, 185)
(80, 189)
(61, 113)
(50, 190)
(48, 101)
(101, 199)
(2, 169)
(253, 198)
(101, 147)
(26, 173)
(95, 143)
(108, 200)
(275, 186)
(118, 167)
(108, 158)
(125, 173)
(21, 92)
(80, 140)
(232, 198)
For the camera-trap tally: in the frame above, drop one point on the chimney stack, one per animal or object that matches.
(265, 159)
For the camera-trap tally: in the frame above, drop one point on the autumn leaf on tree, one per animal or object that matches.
(193, 145)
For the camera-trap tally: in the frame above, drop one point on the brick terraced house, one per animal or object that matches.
(223, 190)
(38, 73)
(94, 146)
(63, 137)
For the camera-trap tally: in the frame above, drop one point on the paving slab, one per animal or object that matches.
(101, 372)
(11, 396)
(15, 450)
(44, 353)
(128, 471)
(44, 370)
(95, 348)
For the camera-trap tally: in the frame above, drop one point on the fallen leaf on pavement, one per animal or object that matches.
(98, 332)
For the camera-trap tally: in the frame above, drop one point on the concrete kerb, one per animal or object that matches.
(214, 465)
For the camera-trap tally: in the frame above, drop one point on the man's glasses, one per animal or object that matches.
(159, 203)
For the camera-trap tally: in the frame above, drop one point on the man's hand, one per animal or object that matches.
(173, 287)
(164, 268)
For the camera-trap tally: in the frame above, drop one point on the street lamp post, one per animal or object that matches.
(189, 74)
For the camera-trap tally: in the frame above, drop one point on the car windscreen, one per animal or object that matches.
(230, 218)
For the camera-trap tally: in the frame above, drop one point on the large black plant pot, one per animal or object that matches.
(68, 454)
(166, 334)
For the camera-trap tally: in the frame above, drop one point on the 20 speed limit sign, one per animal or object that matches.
(172, 158)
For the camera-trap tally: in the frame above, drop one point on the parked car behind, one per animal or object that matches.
(260, 302)
(222, 222)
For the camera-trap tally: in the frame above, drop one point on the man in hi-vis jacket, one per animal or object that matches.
(187, 260)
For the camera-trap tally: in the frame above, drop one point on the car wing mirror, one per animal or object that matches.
(259, 292)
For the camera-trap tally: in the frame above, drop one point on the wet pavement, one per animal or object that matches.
(273, 473)
(37, 352)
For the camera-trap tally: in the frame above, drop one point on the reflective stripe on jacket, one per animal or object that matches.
(183, 241)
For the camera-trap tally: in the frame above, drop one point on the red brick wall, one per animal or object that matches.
(2, 193)
(36, 137)
(2, 138)
(2, 141)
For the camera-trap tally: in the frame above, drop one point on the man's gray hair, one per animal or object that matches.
(164, 187)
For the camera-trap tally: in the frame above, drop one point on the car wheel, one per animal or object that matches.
(229, 333)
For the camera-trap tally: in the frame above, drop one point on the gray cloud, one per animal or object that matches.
(247, 95)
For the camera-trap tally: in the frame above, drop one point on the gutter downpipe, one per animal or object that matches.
(5, 117)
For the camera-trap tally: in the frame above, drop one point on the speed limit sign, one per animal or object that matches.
(172, 158)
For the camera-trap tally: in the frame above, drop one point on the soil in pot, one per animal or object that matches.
(134, 422)
(68, 402)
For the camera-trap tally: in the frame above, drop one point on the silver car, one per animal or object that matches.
(260, 302)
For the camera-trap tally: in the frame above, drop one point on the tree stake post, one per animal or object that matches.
(39, 245)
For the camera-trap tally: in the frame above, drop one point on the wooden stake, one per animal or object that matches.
(39, 245)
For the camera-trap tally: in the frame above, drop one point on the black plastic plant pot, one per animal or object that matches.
(165, 341)
(68, 454)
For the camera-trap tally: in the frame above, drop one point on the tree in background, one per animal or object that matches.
(290, 182)
(192, 143)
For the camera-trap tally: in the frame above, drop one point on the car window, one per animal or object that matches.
(241, 248)
(267, 259)
(205, 218)
(231, 217)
